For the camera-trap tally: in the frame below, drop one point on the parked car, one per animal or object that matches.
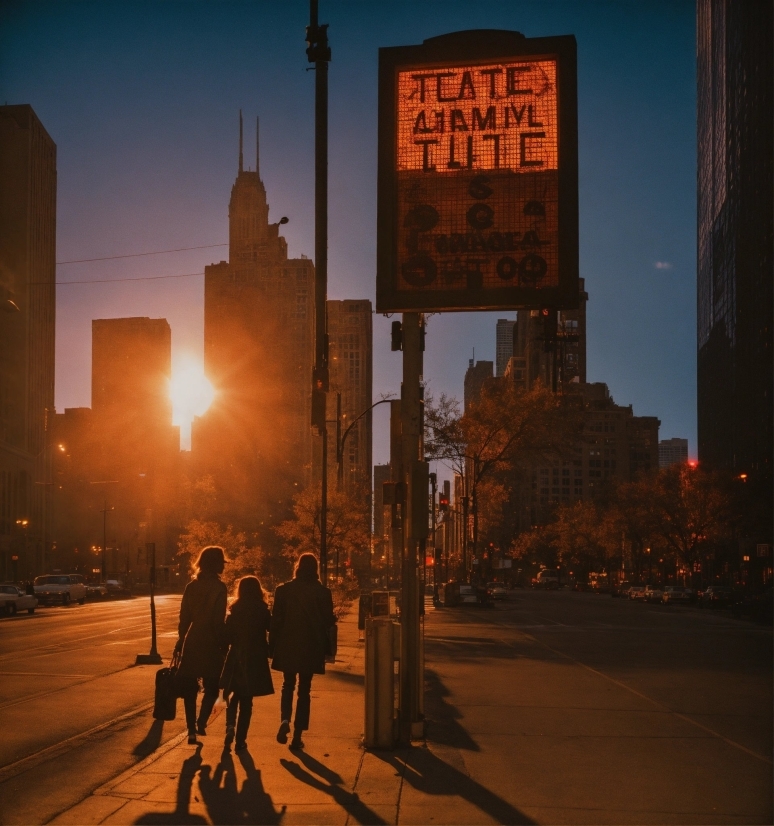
(716, 596)
(459, 593)
(96, 590)
(620, 590)
(546, 579)
(653, 593)
(636, 592)
(675, 594)
(13, 600)
(497, 590)
(60, 588)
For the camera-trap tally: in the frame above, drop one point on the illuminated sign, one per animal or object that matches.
(478, 174)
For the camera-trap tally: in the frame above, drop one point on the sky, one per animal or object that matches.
(142, 100)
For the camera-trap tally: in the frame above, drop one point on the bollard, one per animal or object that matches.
(382, 648)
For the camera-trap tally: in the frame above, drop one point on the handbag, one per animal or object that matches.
(167, 690)
(331, 643)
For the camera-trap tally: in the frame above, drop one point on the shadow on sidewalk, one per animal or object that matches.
(442, 717)
(225, 802)
(181, 815)
(348, 801)
(428, 774)
(151, 741)
(346, 676)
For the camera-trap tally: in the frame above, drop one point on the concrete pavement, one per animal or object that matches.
(521, 729)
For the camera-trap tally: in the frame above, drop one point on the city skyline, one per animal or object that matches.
(153, 164)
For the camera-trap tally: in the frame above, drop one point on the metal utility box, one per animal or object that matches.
(382, 649)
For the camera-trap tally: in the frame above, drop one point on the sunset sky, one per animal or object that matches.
(142, 100)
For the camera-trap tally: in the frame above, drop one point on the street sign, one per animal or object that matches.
(478, 174)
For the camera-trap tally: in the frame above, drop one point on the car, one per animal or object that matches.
(546, 579)
(96, 590)
(13, 600)
(497, 590)
(621, 589)
(653, 593)
(636, 592)
(674, 594)
(60, 588)
(716, 596)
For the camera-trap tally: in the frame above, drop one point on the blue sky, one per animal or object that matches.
(142, 100)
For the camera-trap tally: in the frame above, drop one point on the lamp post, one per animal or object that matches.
(23, 524)
(104, 511)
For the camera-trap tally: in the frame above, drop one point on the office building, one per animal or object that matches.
(735, 77)
(475, 377)
(256, 438)
(27, 314)
(350, 356)
(672, 452)
(503, 344)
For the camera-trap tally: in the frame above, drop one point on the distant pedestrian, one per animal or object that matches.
(301, 618)
(246, 673)
(201, 638)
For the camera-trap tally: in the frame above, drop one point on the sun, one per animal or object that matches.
(190, 391)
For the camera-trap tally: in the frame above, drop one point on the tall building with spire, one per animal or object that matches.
(256, 440)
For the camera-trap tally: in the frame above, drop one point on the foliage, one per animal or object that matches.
(348, 527)
(242, 559)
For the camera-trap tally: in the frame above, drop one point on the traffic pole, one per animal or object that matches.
(153, 658)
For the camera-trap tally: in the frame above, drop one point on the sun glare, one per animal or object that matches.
(190, 391)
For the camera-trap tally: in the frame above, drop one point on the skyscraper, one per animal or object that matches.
(350, 343)
(503, 345)
(672, 452)
(735, 236)
(27, 313)
(256, 439)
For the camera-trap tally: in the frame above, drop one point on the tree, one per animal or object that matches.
(500, 431)
(348, 524)
(243, 560)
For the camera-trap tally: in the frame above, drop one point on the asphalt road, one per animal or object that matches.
(70, 696)
(578, 708)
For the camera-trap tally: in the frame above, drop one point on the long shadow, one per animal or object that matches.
(430, 775)
(181, 816)
(346, 676)
(442, 717)
(226, 804)
(349, 801)
(151, 741)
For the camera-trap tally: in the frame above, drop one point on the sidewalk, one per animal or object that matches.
(334, 780)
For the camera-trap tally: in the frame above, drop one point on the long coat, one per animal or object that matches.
(246, 671)
(302, 615)
(202, 627)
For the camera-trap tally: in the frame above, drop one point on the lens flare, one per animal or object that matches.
(191, 394)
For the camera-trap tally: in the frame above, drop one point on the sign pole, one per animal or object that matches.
(153, 658)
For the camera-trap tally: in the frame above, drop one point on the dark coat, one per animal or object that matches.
(302, 615)
(246, 671)
(202, 627)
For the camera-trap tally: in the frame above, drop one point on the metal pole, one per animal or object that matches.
(339, 447)
(319, 54)
(415, 528)
(104, 538)
(153, 658)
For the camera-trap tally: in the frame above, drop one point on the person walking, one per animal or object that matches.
(300, 621)
(246, 673)
(201, 638)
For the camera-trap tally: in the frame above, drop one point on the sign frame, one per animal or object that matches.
(466, 48)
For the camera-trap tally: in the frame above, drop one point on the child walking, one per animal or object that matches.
(246, 673)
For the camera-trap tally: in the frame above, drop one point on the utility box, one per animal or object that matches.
(382, 649)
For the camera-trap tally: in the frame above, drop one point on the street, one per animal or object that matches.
(69, 695)
(555, 707)
(579, 708)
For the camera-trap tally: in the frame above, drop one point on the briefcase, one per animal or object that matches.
(167, 690)
(331, 643)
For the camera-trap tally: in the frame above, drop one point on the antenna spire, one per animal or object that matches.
(240, 141)
(257, 145)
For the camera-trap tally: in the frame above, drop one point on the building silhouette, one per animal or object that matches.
(476, 375)
(503, 344)
(117, 465)
(350, 347)
(255, 441)
(735, 237)
(672, 452)
(27, 314)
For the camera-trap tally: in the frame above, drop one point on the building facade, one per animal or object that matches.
(350, 357)
(255, 440)
(735, 236)
(672, 452)
(27, 319)
(503, 344)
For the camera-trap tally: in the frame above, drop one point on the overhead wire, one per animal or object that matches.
(139, 254)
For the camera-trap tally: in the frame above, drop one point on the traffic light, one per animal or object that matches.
(443, 503)
(397, 336)
(549, 315)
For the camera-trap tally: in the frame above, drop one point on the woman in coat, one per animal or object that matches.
(302, 615)
(201, 638)
(246, 672)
